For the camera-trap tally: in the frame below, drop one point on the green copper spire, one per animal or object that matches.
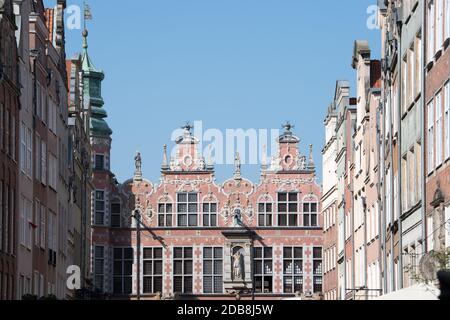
(92, 79)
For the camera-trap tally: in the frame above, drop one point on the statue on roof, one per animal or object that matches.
(237, 166)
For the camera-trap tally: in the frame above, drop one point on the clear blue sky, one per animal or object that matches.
(230, 63)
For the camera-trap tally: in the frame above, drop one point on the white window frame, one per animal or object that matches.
(439, 24)
(152, 276)
(23, 148)
(447, 118)
(430, 145)
(103, 212)
(447, 20)
(439, 128)
(216, 276)
(44, 162)
(43, 226)
(431, 31)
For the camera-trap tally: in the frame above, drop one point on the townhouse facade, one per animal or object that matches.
(329, 206)
(189, 237)
(45, 235)
(437, 124)
(346, 111)
(80, 178)
(9, 144)
(392, 159)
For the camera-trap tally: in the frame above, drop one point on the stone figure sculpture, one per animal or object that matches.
(238, 266)
(138, 162)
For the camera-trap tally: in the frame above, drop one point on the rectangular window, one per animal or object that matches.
(23, 147)
(430, 233)
(418, 66)
(210, 214)
(288, 209)
(439, 23)
(293, 270)
(44, 106)
(310, 214)
(447, 118)
(52, 171)
(29, 223)
(99, 207)
(182, 269)
(165, 214)
(187, 209)
(2, 128)
(116, 215)
(405, 91)
(99, 162)
(22, 230)
(7, 132)
(447, 226)
(43, 225)
(43, 162)
(37, 219)
(265, 214)
(439, 128)
(447, 20)
(38, 101)
(430, 151)
(153, 270)
(38, 167)
(123, 270)
(412, 73)
(212, 270)
(13, 137)
(418, 170)
(405, 182)
(29, 153)
(317, 269)
(263, 269)
(431, 31)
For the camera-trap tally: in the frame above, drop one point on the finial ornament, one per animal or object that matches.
(288, 126)
(187, 127)
(311, 157)
(85, 36)
(210, 155)
(264, 165)
(165, 164)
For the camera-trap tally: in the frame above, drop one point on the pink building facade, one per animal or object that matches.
(191, 237)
